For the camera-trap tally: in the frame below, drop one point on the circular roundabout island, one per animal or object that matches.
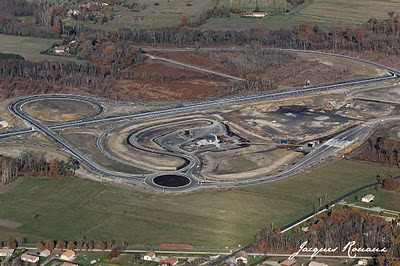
(171, 181)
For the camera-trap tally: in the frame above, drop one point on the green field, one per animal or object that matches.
(383, 198)
(322, 12)
(69, 208)
(166, 13)
(30, 47)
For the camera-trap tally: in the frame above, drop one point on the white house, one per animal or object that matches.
(254, 14)
(60, 49)
(368, 198)
(29, 258)
(241, 256)
(45, 253)
(68, 255)
(4, 252)
(149, 256)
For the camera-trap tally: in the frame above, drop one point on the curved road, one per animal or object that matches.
(332, 147)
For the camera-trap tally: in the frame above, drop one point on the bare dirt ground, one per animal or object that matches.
(195, 59)
(16, 150)
(159, 81)
(252, 161)
(386, 94)
(318, 69)
(384, 59)
(302, 118)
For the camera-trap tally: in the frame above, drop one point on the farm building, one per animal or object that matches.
(254, 14)
(368, 198)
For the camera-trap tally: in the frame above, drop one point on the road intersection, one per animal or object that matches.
(324, 151)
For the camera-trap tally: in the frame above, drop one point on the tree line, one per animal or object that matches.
(389, 183)
(374, 35)
(336, 230)
(381, 149)
(34, 164)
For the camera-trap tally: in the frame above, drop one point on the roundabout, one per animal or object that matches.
(186, 138)
(171, 181)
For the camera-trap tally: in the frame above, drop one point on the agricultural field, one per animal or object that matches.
(155, 14)
(323, 12)
(69, 208)
(30, 47)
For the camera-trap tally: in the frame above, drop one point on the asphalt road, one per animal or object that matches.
(323, 152)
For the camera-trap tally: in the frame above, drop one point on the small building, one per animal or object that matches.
(3, 123)
(4, 252)
(254, 14)
(29, 258)
(45, 253)
(362, 262)
(368, 198)
(314, 263)
(312, 144)
(68, 255)
(60, 49)
(74, 12)
(209, 140)
(241, 256)
(304, 229)
(288, 262)
(149, 256)
(170, 261)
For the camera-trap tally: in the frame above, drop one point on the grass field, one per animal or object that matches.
(322, 12)
(166, 13)
(68, 208)
(30, 47)
(383, 198)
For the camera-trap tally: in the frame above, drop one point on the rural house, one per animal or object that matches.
(68, 255)
(149, 256)
(241, 256)
(45, 253)
(29, 258)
